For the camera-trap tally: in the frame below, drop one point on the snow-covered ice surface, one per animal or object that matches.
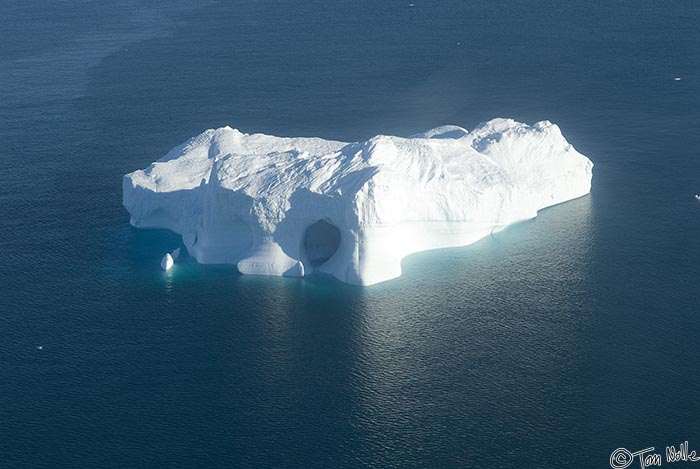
(292, 206)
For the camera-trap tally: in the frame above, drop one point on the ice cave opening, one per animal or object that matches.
(321, 240)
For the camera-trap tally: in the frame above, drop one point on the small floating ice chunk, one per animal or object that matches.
(677, 79)
(167, 262)
(175, 254)
(697, 197)
(40, 347)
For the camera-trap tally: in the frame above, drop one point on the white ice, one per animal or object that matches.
(292, 206)
(167, 262)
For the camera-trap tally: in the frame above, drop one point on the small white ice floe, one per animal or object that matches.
(697, 197)
(40, 347)
(167, 262)
(677, 79)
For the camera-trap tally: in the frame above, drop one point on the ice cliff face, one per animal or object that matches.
(292, 206)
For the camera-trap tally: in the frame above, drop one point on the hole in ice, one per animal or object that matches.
(321, 240)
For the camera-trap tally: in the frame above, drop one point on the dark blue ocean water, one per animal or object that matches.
(547, 345)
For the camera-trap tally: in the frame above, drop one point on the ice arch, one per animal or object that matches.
(321, 241)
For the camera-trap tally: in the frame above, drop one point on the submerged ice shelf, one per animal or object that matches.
(292, 206)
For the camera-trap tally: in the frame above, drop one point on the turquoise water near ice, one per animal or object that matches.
(549, 344)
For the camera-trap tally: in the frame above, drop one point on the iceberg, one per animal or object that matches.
(294, 206)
